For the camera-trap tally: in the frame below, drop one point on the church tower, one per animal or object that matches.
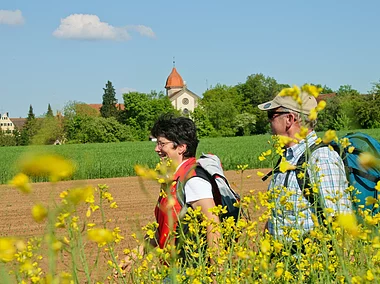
(181, 97)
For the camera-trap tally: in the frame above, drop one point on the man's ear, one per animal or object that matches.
(181, 149)
(290, 119)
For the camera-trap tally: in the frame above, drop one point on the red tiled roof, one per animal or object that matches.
(325, 96)
(98, 106)
(174, 80)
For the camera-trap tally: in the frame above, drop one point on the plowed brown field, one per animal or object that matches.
(135, 200)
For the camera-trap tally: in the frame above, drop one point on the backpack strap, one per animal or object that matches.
(275, 169)
(304, 183)
(202, 173)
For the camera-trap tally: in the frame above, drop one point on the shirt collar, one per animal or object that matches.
(298, 149)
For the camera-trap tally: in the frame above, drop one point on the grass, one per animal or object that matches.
(117, 159)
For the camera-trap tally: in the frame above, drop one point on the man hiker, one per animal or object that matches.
(286, 117)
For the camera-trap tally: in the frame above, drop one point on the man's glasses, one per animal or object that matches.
(161, 145)
(274, 114)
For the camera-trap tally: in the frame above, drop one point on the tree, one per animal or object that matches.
(86, 129)
(108, 108)
(74, 108)
(221, 105)
(203, 124)
(142, 110)
(49, 112)
(245, 123)
(256, 90)
(347, 90)
(31, 115)
(30, 128)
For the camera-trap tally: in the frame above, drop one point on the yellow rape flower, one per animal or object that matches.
(286, 166)
(313, 114)
(369, 200)
(77, 195)
(39, 212)
(284, 140)
(265, 246)
(367, 160)
(260, 174)
(21, 181)
(377, 186)
(351, 149)
(261, 158)
(7, 249)
(312, 90)
(321, 105)
(369, 275)
(100, 236)
(329, 136)
(53, 166)
(345, 142)
(349, 223)
(302, 134)
(292, 92)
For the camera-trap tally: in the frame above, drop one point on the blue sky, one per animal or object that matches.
(59, 51)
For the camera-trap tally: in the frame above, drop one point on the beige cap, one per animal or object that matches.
(308, 103)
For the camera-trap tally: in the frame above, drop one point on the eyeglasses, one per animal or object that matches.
(161, 145)
(272, 115)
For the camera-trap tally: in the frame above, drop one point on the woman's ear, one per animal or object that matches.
(181, 149)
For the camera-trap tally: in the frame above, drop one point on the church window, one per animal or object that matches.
(185, 101)
(185, 111)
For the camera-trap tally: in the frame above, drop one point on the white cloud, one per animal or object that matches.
(89, 27)
(142, 30)
(8, 17)
(126, 90)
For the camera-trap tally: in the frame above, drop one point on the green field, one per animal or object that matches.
(117, 159)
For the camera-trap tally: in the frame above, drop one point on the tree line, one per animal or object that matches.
(223, 111)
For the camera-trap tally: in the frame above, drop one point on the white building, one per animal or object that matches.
(181, 97)
(6, 124)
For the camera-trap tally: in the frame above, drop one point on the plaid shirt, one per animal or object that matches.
(292, 210)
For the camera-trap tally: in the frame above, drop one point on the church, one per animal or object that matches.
(181, 97)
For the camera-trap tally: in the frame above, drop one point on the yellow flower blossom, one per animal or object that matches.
(292, 92)
(39, 212)
(261, 158)
(7, 249)
(53, 166)
(302, 134)
(318, 141)
(351, 149)
(321, 105)
(21, 181)
(286, 166)
(330, 135)
(260, 174)
(369, 275)
(345, 142)
(312, 90)
(349, 223)
(313, 114)
(367, 160)
(377, 186)
(265, 246)
(77, 195)
(100, 236)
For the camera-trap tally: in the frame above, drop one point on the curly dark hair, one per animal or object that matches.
(180, 130)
